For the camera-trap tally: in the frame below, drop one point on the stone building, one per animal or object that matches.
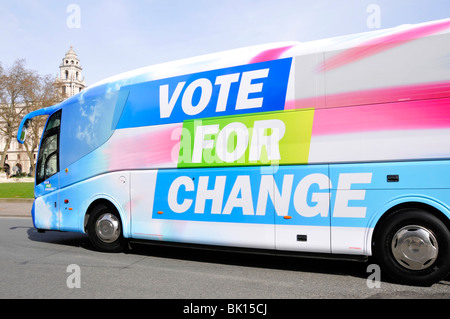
(70, 80)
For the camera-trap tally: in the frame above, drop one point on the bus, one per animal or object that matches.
(336, 148)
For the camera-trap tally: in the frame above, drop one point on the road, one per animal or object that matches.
(35, 265)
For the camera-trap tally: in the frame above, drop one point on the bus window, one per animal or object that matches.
(54, 122)
(47, 164)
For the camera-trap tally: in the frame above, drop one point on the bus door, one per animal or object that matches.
(301, 197)
(47, 177)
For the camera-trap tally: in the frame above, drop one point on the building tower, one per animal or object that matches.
(70, 80)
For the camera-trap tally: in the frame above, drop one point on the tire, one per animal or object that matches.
(105, 229)
(412, 246)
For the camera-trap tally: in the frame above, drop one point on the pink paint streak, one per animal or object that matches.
(381, 44)
(269, 55)
(435, 90)
(150, 149)
(412, 115)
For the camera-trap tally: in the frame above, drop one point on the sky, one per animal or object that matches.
(115, 36)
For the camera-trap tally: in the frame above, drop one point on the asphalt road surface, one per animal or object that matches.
(64, 265)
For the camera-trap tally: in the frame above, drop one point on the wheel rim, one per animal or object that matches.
(415, 247)
(107, 228)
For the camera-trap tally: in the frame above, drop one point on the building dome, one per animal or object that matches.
(71, 54)
(71, 58)
(70, 79)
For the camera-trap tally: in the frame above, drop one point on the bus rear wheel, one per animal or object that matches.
(105, 229)
(412, 247)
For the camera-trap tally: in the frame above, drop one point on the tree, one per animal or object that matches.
(22, 91)
(44, 93)
(13, 85)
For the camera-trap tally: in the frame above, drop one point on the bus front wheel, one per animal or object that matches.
(412, 246)
(105, 229)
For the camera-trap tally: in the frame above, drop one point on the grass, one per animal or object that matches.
(16, 190)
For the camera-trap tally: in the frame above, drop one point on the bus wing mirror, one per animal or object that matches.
(23, 131)
(26, 121)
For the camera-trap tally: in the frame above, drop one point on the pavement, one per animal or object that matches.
(16, 207)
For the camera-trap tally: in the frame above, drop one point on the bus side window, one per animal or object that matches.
(48, 161)
(51, 165)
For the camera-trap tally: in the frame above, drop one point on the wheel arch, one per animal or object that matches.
(110, 202)
(433, 207)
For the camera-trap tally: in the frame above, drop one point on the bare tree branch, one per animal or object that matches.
(23, 91)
